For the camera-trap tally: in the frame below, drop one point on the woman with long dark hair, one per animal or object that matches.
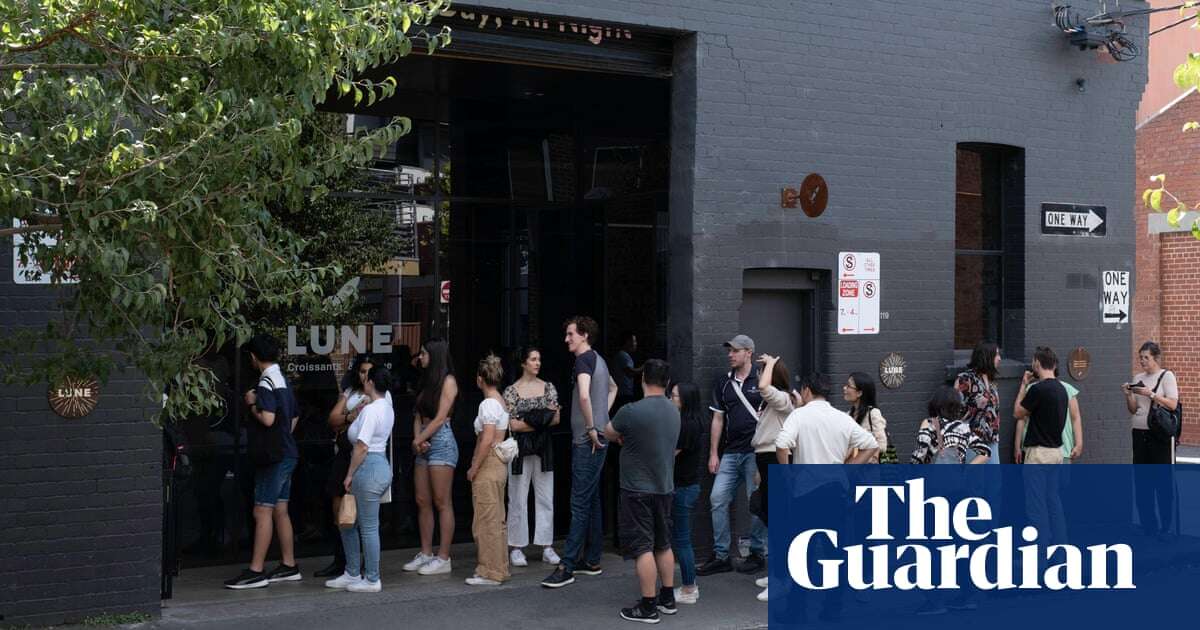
(859, 391)
(533, 404)
(981, 399)
(686, 397)
(349, 405)
(436, 456)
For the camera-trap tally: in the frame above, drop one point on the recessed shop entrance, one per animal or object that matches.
(531, 193)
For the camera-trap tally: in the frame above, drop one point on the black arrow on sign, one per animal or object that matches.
(1117, 315)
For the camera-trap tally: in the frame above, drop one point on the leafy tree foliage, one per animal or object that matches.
(152, 150)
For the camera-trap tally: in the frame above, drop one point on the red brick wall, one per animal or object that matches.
(1166, 304)
(1180, 263)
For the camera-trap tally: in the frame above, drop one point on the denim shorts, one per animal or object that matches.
(443, 450)
(273, 484)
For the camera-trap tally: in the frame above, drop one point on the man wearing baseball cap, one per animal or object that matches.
(735, 405)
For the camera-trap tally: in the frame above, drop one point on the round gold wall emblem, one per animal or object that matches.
(74, 397)
(891, 370)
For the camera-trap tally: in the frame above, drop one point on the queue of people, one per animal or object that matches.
(758, 418)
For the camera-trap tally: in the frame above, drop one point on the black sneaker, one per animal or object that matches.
(560, 578)
(753, 563)
(714, 566)
(284, 573)
(333, 570)
(666, 607)
(248, 579)
(639, 614)
(589, 570)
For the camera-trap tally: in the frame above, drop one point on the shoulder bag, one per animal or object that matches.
(1164, 423)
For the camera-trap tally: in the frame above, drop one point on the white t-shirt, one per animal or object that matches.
(354, 398)
(373, 426)
(1168, 388)
(819, 434)
(491, 411)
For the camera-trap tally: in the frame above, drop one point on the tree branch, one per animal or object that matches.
(51, 67)
(25, 229)
(56, 35)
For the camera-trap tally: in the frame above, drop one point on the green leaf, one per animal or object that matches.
(1196, 229)
(1156, 200)
(1176, 214)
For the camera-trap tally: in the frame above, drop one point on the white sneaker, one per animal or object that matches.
(365, 586)
(417, 562)
(549, 557)
(761, 582)
(437, 566)
(762, 597)
(342, 581)
(517, 558)
(475, 580)
(687, 597)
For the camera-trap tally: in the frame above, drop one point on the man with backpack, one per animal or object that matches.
(273, 453)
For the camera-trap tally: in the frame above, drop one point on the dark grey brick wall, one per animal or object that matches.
(874, 96)
(80, 500)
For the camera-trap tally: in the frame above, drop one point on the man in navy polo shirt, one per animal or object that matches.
(735, 405)
(272, 450)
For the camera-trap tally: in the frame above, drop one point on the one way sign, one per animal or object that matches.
(1114, 299)
(1074, 220)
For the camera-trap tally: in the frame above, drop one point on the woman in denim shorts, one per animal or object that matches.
(436, 456)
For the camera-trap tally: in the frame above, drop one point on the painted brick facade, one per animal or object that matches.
(873, 95)
(80, 500)
(1167, 304)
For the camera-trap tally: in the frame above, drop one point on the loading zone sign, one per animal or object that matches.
(1114, 300)
(1070, 219)
(858, 293)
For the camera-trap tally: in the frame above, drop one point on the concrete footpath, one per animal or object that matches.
(727, 601)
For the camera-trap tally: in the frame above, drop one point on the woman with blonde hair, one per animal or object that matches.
(488, 476)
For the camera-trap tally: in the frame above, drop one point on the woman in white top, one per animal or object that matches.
(859, 391)
(1157, 386)
(369, 476)
(488, 476)
(775, 386)
(344, 413)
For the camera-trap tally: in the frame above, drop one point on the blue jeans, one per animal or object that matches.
(681, 531)
(587, 468)
(735, 469)
(370, 481)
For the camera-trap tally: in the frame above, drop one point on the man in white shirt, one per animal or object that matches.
(817, 433)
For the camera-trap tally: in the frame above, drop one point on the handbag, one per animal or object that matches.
(1164, 423)
(347, 512)
(887, 455)
(506, 449)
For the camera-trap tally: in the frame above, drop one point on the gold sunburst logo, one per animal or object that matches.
(74, 397)
(891, 370)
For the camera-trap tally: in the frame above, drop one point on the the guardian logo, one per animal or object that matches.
(988, 565)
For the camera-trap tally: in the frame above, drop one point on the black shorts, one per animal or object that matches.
(645, 523)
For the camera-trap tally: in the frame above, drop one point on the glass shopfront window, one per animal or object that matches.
(522, 196)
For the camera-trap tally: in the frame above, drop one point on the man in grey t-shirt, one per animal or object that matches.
(591, 398)
(648, 431)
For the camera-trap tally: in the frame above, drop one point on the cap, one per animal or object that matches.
(741, 342)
